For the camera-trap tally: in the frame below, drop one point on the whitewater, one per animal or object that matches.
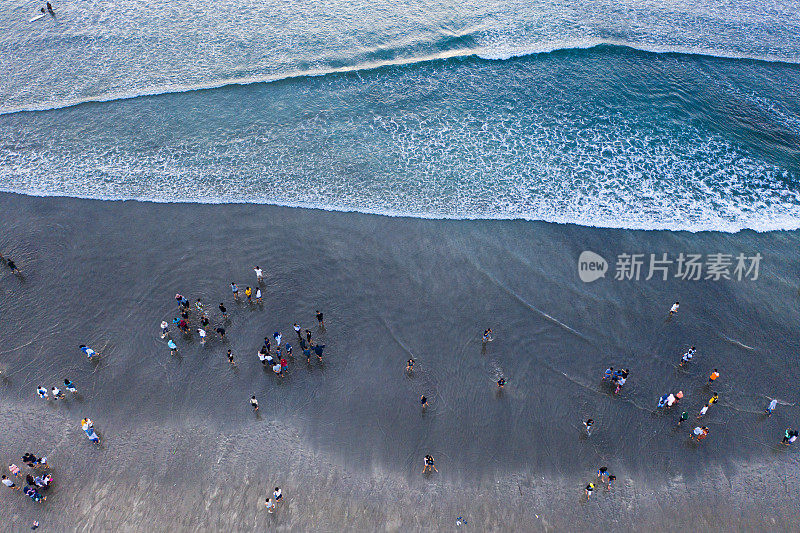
(642, 115)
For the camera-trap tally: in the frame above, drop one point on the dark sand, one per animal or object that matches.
(182, 449)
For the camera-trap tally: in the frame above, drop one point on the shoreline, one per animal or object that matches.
(104, 273)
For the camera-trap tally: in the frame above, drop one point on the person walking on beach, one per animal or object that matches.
(713, 377)
(684, 416)
(221, 332)
(230, 358)
(14, 469)
(270, 505)
(501, 383)
(259, 274)
(254, 403)
(70, 386)
(410, 365)
(612, 478)
(308, 336)
(10, 484)
(602, 474)
(88, 427)
(262, 356)
(714, 399)
(258, 296)
(13, 266)
(771, 407)
(588, 490)
(487, 336)
(674, 308)
(423, 401)
(199, 306)
(88, 351)
(224, 311)
(276, 368)
(202, 334)
(248, 292)
(688, 355)
(318, 350)
(789, 436)
(608, 374)
(277, 336)
(267, 345)
(587, 424)
(164, 328)
(278, 495)
(42, 392)
(173, 348)
(296, 327)
(699, 433)
(429, 465)
(57, 394)
(320, 320)
(235, 291)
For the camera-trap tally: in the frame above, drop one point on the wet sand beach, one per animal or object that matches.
(182, 450)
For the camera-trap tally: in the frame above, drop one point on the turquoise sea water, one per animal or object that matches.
(635, 115)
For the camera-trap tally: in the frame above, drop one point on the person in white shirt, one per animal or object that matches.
(259, 274)
(258, 296)
(202, 333)
(674, 308)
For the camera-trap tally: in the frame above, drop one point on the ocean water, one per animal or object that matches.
(650, 115)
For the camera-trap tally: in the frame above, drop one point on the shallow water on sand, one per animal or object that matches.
(104, 274)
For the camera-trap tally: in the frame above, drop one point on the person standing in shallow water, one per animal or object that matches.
(224, 311)
(254, 403)
(320, 319)
(423, 401)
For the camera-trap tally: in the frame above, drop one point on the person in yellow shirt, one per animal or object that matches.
(248, 292)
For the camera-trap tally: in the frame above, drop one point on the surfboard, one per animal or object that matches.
(37, 17)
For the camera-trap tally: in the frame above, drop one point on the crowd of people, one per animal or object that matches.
(36, 482)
